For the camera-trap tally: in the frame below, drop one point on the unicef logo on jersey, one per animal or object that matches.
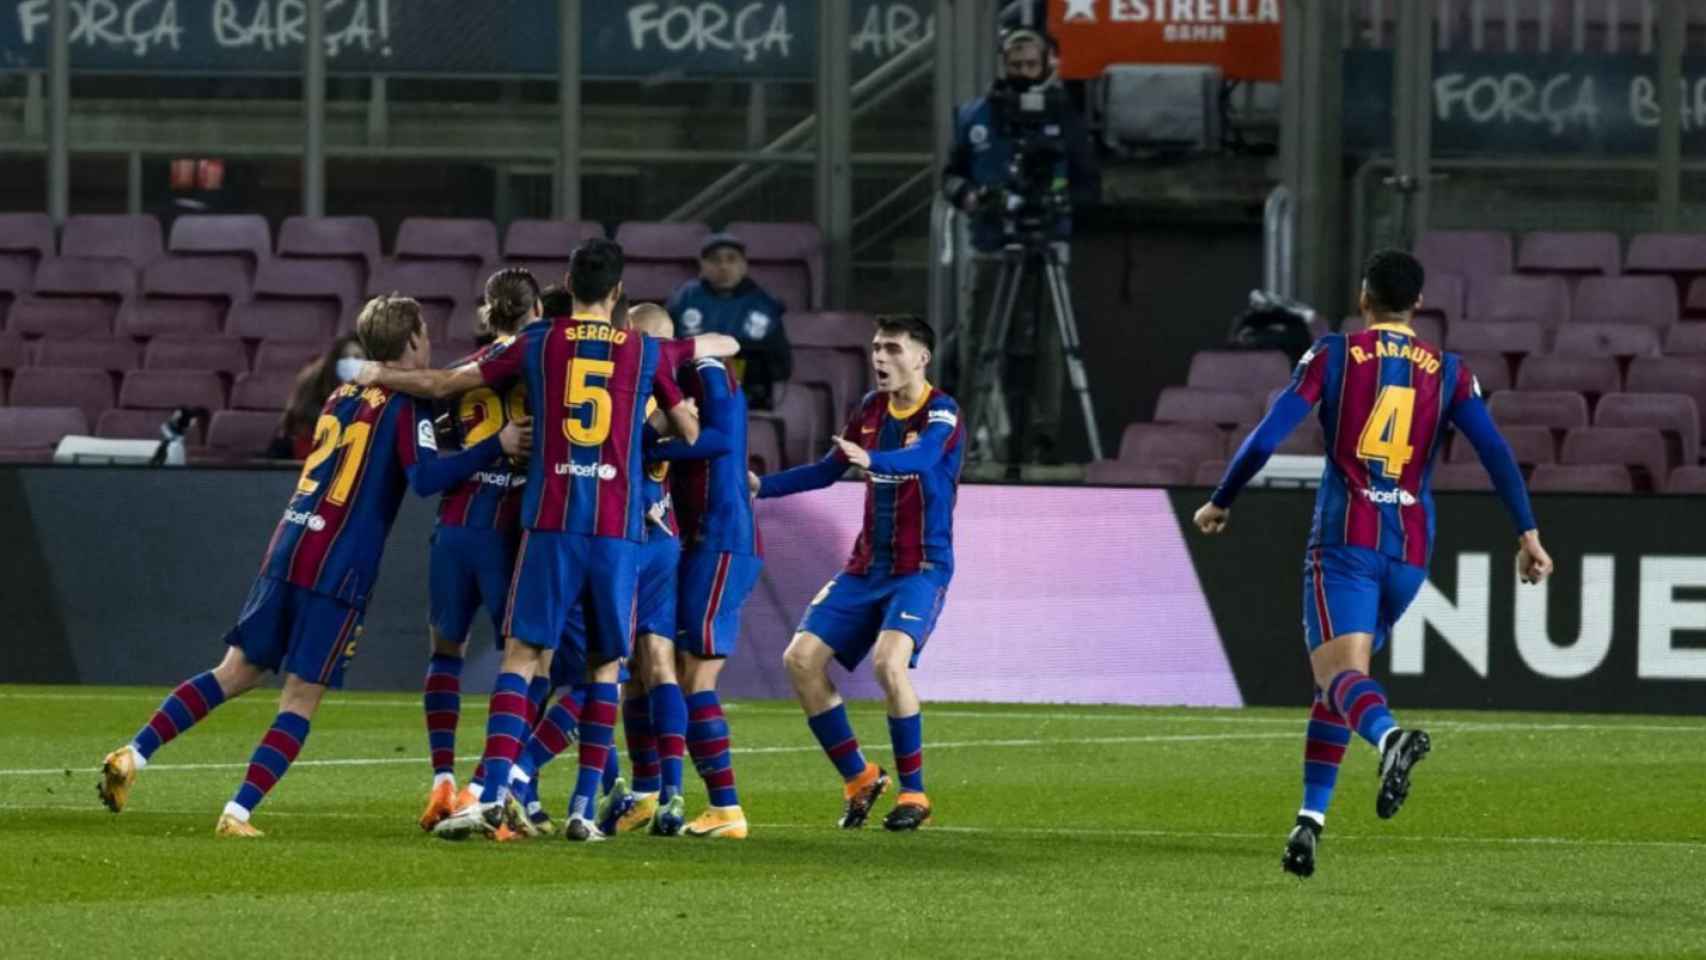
(312, 521)
(587, 471)
(1389, 497)
(691, 321)
(757, 325)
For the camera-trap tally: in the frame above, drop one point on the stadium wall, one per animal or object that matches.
(1065, 595)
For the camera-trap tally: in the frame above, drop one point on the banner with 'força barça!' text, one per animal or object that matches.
(1242, 37)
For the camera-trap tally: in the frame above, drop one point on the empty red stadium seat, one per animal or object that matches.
(242, 433)
(1684, 375)
(187, 296)
(804, 410)
(838, 371)
(1205, 405)
(1502, 337)
(1675, 414)
(1461, 476)
(447, 238)
(833, 329)
(1606, 340)
(299, 300)
(1307, 440)
(656, 280)
(40, 428)
(94, 353)
(1185, 442)
(1573, 252)
(763, 447)
(216, 354)
(26, 239)
(1667, 253)
(132, 237)
(786, 258)
(1468, 254)
(1694, 305)
(1442, 298)
(1491, 370)
(1253, 372)
(74, 297)
(1157, 473)
(1530, 444)
(88, 390)
(1581, 478)
(350, 238)
(1641, 448)
(1555, 410)
(15, 352)
(1209, 473)
(441, 286)
(789, 283)
(262, 391)
(1644, 301)
(643, 240)
(286, 356)
(1589, 375)
(547, 240)
(235, 234)
(165, 389)
(1686, 480)
(1686, 339)
(1542, 300)
(141, 425)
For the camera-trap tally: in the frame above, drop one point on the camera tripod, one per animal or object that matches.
(1037, 258)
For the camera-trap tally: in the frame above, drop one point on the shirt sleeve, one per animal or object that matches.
(941, 429)
(503, 364)
(1283, 417)
(417, 450)
(812, 476)
(1470, 415)
(1310, 378)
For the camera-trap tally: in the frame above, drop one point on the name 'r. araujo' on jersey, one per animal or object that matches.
(1386, 400)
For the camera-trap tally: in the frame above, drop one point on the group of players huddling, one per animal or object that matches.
(599, 509)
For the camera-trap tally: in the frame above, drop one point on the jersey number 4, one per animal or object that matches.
(1386, 437)
(593, 428)
(330, 435)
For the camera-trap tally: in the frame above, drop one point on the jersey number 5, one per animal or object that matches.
(329, 435)
(594, 428)
(1386, 437)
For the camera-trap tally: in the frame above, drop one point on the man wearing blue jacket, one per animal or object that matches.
(725, 300)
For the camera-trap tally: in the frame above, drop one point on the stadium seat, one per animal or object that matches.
(1694, 305)
(469, 239)
(16, 352)
(1684, 375)
(165, 389)
(91, 391)
(1515, 337)
(1554, 410)
(1673, 254)
(26, 239)
(123, 236)
(1543, 300)
(214, 354)
(1461, 476)
(1491, 370)
(244, 235)
(1589, 375)
(114, 355)
(1648, 301)
(763, 447)
(1204, 405)
(262, 391)
(1581, 478)
(349, 238)
(1686, 480)
(642, 240)
(837, 371)
(299, 300)
(547, 240)
(1251, 372)
(1429, 328)
(454, 349)
(241, 433)
(1641, 448)
(1208, 473)
(1570, 253)
(1530, 444)
(1675, 414)
(804, 410)
(1185, 442)
(1307, 440)
(1470, 255)
(1158, 473)
(656, 281)
(1687, 339)
(286, 356)
(1442, 299)
(141, 425)
(834, 330)
(1606, 339)
(39, 428)
(187, 296)
(441, 286)
(74, 297)
(786, 258)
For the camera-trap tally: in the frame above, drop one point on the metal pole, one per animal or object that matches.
(378, 112)
(568, 200)
(1675, 21)
(133, 182)
(1310, 135)
(314, 110)
(942, 106)
(59, 115)
(1412, 117)
(834, 153)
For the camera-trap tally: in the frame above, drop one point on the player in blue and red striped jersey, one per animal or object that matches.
(582, 513)
(907, 437)
(474, 542)
(303, 616)
(1388, 401)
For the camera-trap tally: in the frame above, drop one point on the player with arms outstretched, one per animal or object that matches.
(304, 614)
(1387, 400)
(907, 437)
(582, 514)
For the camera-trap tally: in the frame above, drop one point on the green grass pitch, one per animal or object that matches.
(1060, 832)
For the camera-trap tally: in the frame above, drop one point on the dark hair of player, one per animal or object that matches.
(595, 270)
(908, 324)
(386, 326)
(1394, 281)
(556, 301)
(510, 296)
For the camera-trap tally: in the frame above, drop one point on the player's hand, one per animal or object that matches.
(691, 406)
(1211, 519)
(1533, 563)
(516, 438)
(855, 454)
(752, 482)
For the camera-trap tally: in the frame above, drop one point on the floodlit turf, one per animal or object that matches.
(1060, 832)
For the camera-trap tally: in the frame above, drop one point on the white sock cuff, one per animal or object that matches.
(439, 778)
(136, 756)
(1388, 735)
(1315, 815)
(518, 775)
(237, 811)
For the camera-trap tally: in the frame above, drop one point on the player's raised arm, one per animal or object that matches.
(922, 453)
(435, 384)
(716, 420)
(1469, 414)
(714, 345)
(806, 476)
(431, 473)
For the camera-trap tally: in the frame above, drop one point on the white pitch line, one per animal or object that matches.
(744, 751)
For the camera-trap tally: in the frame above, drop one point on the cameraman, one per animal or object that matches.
(978, 182)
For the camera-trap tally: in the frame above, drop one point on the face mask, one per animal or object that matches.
(1020, 84)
